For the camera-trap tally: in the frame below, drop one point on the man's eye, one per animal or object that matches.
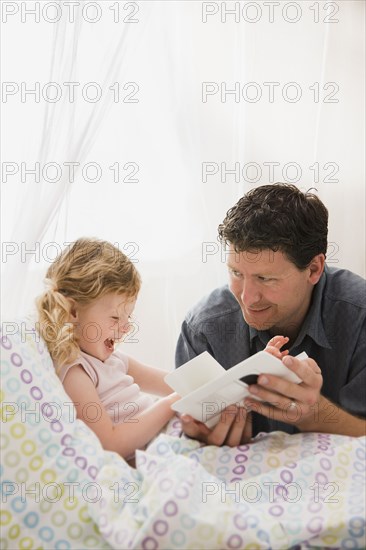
(265, 279)
(235, 273)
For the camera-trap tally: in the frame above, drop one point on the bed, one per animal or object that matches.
(61, 490)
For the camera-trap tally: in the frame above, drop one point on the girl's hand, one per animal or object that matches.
(275, 344)
(172, 398)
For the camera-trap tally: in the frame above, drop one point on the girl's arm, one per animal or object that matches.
(150, 379)
(122, 438)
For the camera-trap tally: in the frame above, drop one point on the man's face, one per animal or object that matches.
(272, 292)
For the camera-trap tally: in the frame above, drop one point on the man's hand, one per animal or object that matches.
(234, 428)
(285, 401)
(302, 404)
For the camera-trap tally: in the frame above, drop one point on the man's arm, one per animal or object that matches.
(189, 345)
(330, 418)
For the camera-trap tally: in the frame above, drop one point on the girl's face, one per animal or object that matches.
(99, 324)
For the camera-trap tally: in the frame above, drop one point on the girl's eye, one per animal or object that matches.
(117, 319)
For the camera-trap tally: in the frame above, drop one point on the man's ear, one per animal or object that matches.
(316, 268)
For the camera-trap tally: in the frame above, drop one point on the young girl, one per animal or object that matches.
(92, 291)
(87, 308)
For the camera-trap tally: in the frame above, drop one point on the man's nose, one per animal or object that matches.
(249, 293)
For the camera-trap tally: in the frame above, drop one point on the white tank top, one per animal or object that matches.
(117, 390)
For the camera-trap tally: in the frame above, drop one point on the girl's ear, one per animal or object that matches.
(73, 310)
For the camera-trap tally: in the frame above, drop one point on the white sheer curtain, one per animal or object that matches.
(161, 211)
(66, 133)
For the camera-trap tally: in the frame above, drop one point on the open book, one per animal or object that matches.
(207, 388)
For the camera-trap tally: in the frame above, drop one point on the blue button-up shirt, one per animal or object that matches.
(333, 334)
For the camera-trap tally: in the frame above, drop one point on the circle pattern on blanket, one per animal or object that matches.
(294, 482)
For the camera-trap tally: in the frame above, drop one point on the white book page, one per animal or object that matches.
(204, 398)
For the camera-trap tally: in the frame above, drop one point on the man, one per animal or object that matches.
(279, 284)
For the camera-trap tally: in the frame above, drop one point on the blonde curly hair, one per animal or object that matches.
(88, 270)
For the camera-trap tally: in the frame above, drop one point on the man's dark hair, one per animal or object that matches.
(278, 217)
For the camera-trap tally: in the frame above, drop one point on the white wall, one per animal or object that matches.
(170, 215)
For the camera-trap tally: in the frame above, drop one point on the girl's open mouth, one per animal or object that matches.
(109, 343)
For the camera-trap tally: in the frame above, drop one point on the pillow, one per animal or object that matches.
(50, 459)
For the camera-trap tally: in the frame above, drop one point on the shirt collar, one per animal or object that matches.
(312, 325)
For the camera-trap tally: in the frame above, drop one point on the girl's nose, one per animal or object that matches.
(125, 327)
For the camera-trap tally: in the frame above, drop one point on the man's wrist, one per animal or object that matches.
(322, 414)
(330, 418)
